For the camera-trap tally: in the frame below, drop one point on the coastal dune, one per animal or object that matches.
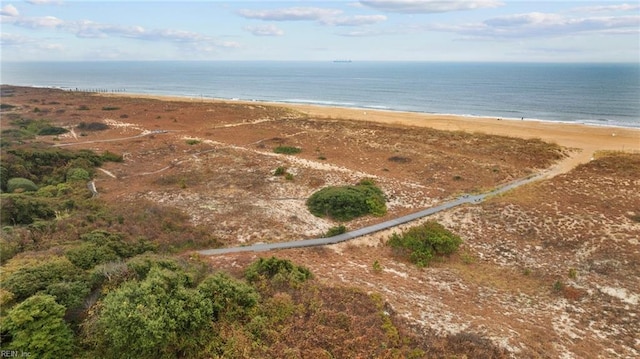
(587, 139)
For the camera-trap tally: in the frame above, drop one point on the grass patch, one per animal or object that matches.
(192, 142)
(110, 108)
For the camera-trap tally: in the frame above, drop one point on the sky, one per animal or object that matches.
(367, 30)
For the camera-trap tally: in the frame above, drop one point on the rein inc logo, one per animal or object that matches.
(14, 354)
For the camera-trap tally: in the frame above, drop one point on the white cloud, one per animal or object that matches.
(9, 10)
(542, 24)
(27, 43)
(289, 14)
(13, 39)
(37, 22)
(265, 30)
(607, 8)
(91, 29)
(357, 20)
(369, 33)
(44, 2)
(429, 6)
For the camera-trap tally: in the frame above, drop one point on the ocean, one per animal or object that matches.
(597, 94)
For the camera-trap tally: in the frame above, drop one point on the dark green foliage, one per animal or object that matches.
(280, 171)
(4, 178)
(21, 185)
(287, 150)
(111, 157)
(37, 327)
(92, 126)
(56, 277)
(102, 247)
(334, 231)
(229, 297)
(6, 106)
(23, 209)
(29, 127)
(280, 270)
(348, 202)
(422, 243)
(77, 174)
(51, 130)
(110, 108)
(141, 265)
(158, 317)
(50, 165)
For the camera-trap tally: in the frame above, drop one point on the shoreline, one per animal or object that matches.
(610, 137)
(285, 103)
(301, 102)
(583, 140)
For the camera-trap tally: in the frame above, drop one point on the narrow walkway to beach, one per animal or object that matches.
(464, 199)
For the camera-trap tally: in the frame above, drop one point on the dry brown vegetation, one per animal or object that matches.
(547, 270)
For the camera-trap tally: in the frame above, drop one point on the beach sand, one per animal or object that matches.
(588, 139)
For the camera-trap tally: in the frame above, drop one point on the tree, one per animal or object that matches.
(56, 277)
(230, 297)
(155, 318)
(37, 327)
(21, 184)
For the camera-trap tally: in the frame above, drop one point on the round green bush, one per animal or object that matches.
(77, 174)
(345, 203)
(21, 184)
(421, 243)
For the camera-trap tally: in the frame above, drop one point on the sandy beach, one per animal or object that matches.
(588, 138)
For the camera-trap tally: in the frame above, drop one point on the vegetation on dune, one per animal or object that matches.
(287, 150)
(84, 278)
(422, 243)
(344, 203)
(92, 126)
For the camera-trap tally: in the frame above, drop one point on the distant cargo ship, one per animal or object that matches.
(341, 60)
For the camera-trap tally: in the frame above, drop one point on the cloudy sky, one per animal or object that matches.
(407, 30)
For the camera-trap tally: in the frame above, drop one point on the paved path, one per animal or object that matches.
(473, 199)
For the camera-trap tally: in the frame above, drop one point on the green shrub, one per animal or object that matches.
(102, 247)
(92, 126)
(56, 276)
(77, 174)
(281, 270)
(287, 150)
(23, 209)
(36, 326)
(422, 243)
(230, 297)
(192, 142)
(280, 171)
(22, 184)
(51, 131)
(348, 202)
(111, 157)
(336, 230)
(158, 317)
(110, 108)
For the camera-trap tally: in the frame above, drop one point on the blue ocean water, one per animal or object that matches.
(604, 94)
